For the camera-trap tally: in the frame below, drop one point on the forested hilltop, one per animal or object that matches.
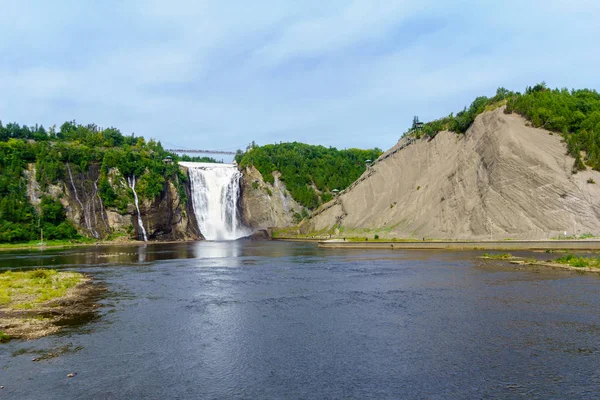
(103, 163)
(310, 172)
(573, 113)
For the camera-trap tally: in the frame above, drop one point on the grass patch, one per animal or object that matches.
(577, 237)
(4, 337)
(376, 238)
(23, 289)
(579, 262)
(46, 243)
(116, 235)
(493, 106)
(503, 256)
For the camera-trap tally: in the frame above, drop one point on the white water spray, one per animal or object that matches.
(215, 194)
(131, 182)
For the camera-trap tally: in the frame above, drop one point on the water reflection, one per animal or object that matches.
(222, 253)
(142, 253)
(217, 249)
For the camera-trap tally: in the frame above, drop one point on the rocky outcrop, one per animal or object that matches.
(502, 179)
(265, 205)
(261, 234)
(83, 203)
(167, 218)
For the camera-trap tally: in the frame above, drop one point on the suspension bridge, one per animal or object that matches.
(179, 149)
(197, 151)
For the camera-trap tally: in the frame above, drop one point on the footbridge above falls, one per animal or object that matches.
(197, 151)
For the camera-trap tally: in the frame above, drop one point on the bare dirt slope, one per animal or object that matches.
(502, 179)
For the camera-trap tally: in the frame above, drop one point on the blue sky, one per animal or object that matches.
(219, 74)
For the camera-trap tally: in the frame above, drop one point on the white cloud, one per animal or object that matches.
(343, 73)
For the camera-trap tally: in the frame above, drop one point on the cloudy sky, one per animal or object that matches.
(219, 74)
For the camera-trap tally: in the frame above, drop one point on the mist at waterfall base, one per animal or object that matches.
(215, 193)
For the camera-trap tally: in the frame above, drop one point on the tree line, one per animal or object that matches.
(117, 156)
(575, 114)
(309, 172)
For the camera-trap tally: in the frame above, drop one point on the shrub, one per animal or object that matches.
(579, 262)
(565, 259)
(503, 256)
(297, 217)
(591, 181)
(40, 274)
(4, 337)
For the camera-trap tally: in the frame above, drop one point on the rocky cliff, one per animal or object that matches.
(165, 218)
(264, 205)
(502, 179)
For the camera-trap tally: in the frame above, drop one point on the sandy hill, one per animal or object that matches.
(502, 179)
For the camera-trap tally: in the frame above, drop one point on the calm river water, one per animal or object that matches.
(271, 320)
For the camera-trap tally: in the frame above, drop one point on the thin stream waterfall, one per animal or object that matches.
(131, 182)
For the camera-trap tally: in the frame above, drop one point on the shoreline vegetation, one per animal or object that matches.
(384, 236)
(569, 262)
(64, 244)
(40, 302)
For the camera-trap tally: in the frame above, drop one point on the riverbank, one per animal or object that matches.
(64, 245)
(39, 302)
(568, 262)
(465, 245)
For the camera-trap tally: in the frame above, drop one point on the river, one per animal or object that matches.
(272, 320)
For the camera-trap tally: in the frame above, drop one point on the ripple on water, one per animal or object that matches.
(282, 320)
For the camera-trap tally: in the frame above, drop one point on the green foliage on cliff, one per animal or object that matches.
(310, 172)
(70, 154)
(573, 113)
(19, 220)
(205, 159)
(462, 121)
(17, 215)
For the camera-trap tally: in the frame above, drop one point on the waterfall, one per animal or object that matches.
(131, 182)
(215, 194)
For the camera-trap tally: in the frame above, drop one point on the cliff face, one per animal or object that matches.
(165, 218)
(168, 219)
(502, 179)
(264, 205)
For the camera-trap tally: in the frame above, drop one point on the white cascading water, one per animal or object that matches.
(131, 182)
(215, 194)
